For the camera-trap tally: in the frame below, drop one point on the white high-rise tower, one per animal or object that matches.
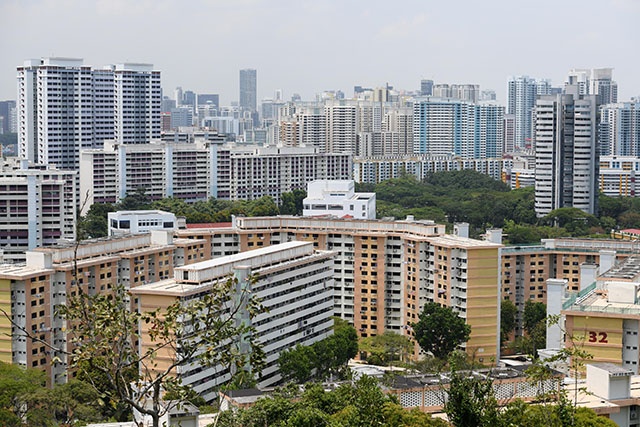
(566, 152)
(65, 106)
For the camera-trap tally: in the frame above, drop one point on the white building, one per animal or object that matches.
(338, 198)
(450, 126)
(65, 106)
(295, 286)
(376, 169)
(37, 208)
(341, 128)
(619, 129)
(138, 222)
(566, 152)
(595, 81)
(204, 169)
(522, 92)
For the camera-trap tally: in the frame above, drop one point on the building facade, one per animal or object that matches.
(65, 106)
(294, 285)
(37, 207)
(445, 126)
(566, 153)
(373, 170)
(31, 292)
(619, 129)
(249, 89)
(522, 92)
(385, 271)
(338, 198)
(204, 169)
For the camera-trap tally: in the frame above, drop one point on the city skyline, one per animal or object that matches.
(303, 47)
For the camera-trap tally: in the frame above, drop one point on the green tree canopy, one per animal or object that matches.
(387, 347)
(508, 311)
(440, 330)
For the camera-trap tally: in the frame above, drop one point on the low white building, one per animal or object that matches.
(138, 222)
(338, 198)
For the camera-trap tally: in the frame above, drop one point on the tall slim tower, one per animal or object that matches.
(54, 111)
(522, 92)
(566, 152)
(248, 89)
(619, 129)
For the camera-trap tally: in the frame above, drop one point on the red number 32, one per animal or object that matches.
(593, 337)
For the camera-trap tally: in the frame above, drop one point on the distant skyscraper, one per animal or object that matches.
(522, 92)
(65, 106)
(189, 99)
(6, 108)
(341, 128)
(208, 99)
(596, 81)
(566, 152)
(426, 87)
(619, 129)
(509, 133)
(249, 90)
(449, 126)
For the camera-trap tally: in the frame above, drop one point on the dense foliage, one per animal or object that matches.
(25, 401)
(440, 331)
(385, 348)
(324, 358)
(475, 198)
(357, 404)
(94, 223)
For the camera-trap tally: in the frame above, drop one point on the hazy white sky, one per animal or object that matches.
(307, 46)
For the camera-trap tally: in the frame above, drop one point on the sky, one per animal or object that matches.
(309, 46)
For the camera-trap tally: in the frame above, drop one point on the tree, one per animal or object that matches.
(439, 330)
(358, 404)
(471, 400)
(387, 347)
(138, 200)
(508, 311)
(206, 330)
(65, 404)
(323, 358)
(94, 223)
(291, 203)
(16, 384)
(534, 313)
(297, 363)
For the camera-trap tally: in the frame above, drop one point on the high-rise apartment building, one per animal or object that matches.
(522, 92)
(31, 292)
(595, 81)
(341, 128)
(566, 152)
(619, 129)
(137, 100)
(65, 106)
(37, 207)
(294, 284)
(249, 90)
(448, 126)
(385, 271)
